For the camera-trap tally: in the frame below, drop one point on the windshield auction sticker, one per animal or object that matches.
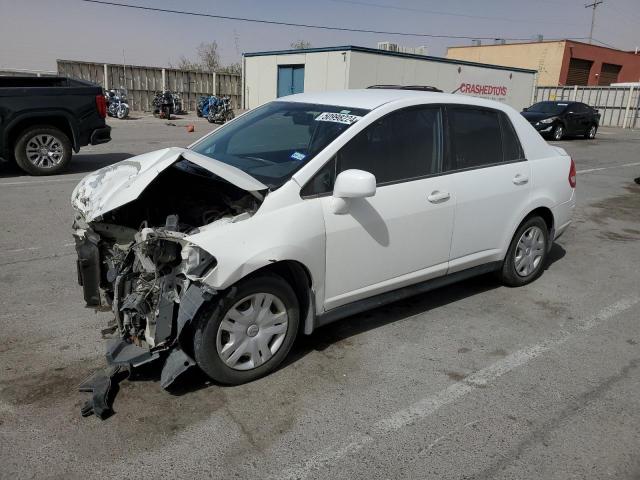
(337, 118)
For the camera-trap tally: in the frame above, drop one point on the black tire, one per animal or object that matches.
(167, 113)
(557, 133)
(208, 322)
(591, 133)
(508, 273)
(20, 150)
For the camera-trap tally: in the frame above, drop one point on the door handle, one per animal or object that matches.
(438, 196)
(520, 179)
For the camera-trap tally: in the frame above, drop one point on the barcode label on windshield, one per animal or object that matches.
(337, 118)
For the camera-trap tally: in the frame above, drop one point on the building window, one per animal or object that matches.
(609, 74)
(578, 73)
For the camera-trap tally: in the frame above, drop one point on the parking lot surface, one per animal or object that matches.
(474, 380)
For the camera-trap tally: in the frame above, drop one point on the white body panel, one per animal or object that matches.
(382, 238)
(392, 239)
(488, 204)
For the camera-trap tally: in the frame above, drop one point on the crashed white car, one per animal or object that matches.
(307, 210)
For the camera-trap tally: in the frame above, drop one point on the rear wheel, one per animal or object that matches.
(42, 150)
(527, 253)
(248, 332)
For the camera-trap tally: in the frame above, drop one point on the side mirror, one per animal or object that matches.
(352, 184)
(525, 109)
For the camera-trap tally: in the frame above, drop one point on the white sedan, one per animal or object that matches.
(307, 210)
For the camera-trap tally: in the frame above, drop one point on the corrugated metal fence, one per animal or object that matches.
(618, 106)
(142, 82)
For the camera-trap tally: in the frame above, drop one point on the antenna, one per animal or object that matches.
(593, 16)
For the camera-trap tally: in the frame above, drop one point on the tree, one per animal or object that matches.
(235, 68)
(209, 56)
(300, 44)
(208, 61)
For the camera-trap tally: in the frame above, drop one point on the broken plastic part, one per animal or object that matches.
(123, 352)
(103, 386)
(177, 363)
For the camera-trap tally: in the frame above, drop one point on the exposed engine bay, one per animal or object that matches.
(137, 262)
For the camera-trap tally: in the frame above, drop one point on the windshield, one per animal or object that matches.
(275, 140)
(552, 108)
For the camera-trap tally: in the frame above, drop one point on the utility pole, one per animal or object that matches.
(593, 17)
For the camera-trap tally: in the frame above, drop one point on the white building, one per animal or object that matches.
(269, 75)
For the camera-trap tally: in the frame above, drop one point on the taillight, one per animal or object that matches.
(101, 105)
(572, 174)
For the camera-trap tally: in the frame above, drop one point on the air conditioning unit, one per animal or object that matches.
(390, 47)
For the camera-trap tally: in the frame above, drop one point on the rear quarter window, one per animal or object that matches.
(511, 146)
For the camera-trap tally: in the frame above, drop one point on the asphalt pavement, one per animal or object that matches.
(472, 381)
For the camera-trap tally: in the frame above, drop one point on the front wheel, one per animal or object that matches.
(42, 150)
(123, 112)
(527, 253)
(248, 332)
(558, 132)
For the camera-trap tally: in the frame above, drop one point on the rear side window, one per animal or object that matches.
(403, 145)
(476, 137)
(510, 142)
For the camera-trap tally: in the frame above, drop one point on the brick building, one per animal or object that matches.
(563, 62)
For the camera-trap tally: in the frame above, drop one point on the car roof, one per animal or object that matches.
(558, 102)
(370, 99)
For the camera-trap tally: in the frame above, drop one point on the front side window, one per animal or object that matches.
(475, 136)
(274, 141)
(403, 145)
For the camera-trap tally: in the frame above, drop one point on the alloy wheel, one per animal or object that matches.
(252, 331)
(592, 132)
(44, 151)
(557, 133)
(529, 251)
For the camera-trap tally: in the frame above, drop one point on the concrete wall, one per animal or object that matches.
(510, 87)
(546, 57)
(322, 71)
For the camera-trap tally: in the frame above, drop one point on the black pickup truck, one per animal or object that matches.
(42, 119)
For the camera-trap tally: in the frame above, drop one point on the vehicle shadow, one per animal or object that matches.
(400, 310)
(80, 163)
(328, 335)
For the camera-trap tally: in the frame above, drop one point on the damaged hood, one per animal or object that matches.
(123, 182)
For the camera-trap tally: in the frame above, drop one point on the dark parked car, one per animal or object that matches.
(557, 119)
(44, 119)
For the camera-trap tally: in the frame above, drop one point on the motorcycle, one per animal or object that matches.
(163, 105)
(220, 110)
(177, 104)
(203, 103)
(117, 105)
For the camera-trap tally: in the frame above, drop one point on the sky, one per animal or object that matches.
(34, 33)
